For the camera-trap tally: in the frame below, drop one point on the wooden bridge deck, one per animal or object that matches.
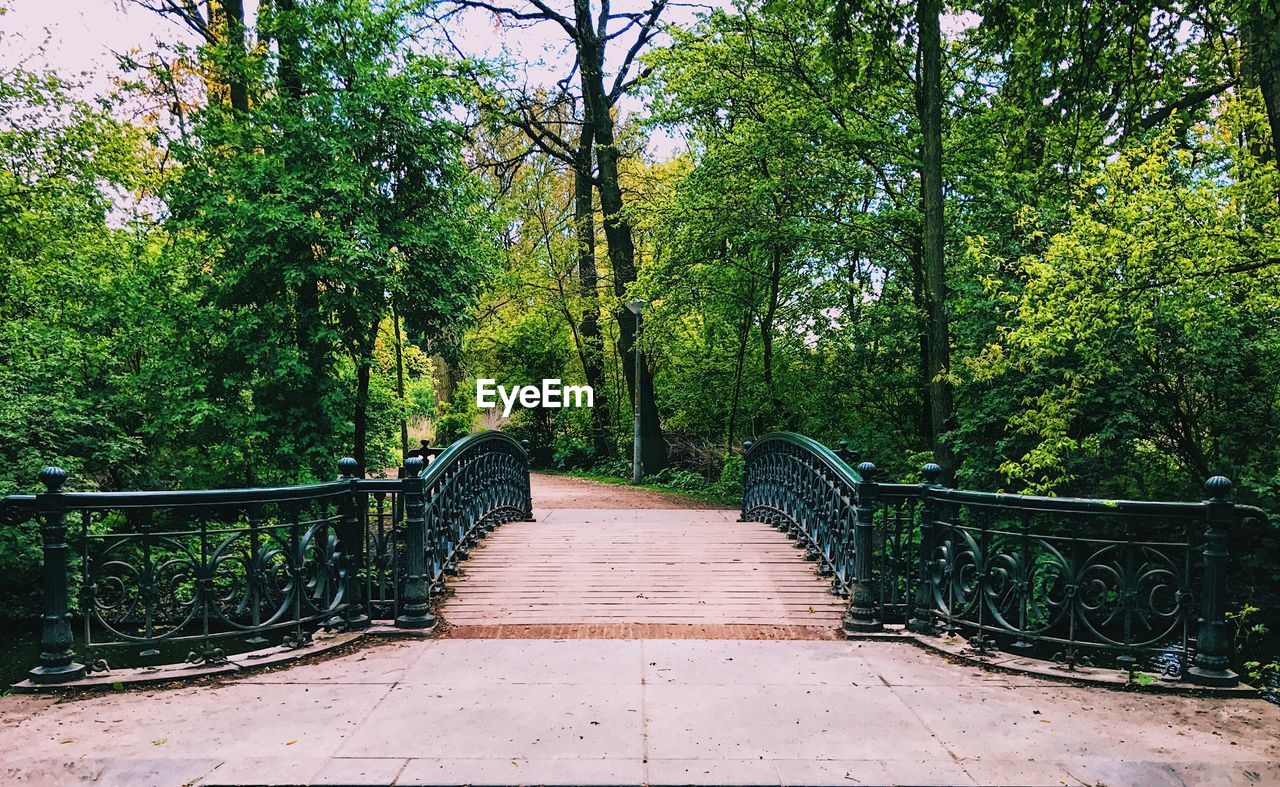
(615, 572)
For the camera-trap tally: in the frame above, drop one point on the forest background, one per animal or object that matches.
(1035, 240)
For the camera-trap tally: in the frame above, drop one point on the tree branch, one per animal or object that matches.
(1190, 100)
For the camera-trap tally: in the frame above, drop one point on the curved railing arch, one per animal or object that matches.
(808, 492)
(167, 571)
(1062, 578)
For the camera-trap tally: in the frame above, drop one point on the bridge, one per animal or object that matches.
(472, 623)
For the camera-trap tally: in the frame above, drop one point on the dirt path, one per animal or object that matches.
(558, 491)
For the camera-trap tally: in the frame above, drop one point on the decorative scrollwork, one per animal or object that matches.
(1065, 579)
(17, 509)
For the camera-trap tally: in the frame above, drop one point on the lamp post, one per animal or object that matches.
(637, 308)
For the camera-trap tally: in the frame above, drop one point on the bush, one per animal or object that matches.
(616, 468)
(452, 424)
(684, 480)
(732, 472)
(569, 452)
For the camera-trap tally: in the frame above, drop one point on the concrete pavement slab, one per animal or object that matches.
(707, 771)
(914, 666)
(503, 721)
(758, 663)
(282, 770)
(1047, 771)
(1077, 722)
(878, 771)
(591, 711)
(483, 771)
(237, 720)
(379, 661)
(110, 771)
(782, 722)
(474, 661)
(360, 770)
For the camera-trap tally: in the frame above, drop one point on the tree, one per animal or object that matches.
(1150, 323)
(340, 193)
(933, 229)
(590, 32)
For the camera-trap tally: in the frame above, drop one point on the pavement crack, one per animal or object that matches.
(644, 717)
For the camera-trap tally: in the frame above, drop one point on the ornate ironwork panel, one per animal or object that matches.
(194, 575)
(809, 493)
(1112, 582)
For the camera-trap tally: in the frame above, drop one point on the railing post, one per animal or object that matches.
(922, 621)
(416, 609)
(746, 447)
(353, 537)
(1213, 646)
(528, 488)
(57, 663)
(863, 600)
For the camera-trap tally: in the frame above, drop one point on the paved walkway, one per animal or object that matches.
(650, 709)
(454, 711)
(666, 568)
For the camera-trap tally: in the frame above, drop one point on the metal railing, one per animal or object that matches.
(1069, 579)
(191, 571)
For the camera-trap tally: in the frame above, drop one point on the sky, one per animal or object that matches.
(80, 38)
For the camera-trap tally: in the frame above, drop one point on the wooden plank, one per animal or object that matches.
(623, 568)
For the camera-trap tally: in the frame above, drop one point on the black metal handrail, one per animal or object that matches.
(169, 570)
(1064, 578)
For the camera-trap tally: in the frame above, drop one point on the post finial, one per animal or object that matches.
(867, 470)
(348, 467)
(746, 445)
(53, 478)
(1218, 487)
(413, 466)
(931, 471)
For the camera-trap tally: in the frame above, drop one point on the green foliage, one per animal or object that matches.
(453, 422)
(1145, 324)
(340, 193)
(207, 303)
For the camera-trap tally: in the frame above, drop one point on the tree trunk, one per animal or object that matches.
(404, 418)
(767, 324)
(297, 255)
(364, 370)
(237, 87)
(1260, 30)
(744, 333)
(444, 378)
(588, 288)
(617, 229)
(933, 234)
(924, 416)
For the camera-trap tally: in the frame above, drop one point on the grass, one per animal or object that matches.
(697, 494)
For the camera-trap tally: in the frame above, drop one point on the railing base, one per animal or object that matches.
(356, 622)
(424, 621)
(50, 676)
(922, 627)
(1218, 679)
(853, 628)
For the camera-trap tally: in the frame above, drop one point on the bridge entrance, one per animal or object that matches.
(610, 562)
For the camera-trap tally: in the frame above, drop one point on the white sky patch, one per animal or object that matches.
(81, 39)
